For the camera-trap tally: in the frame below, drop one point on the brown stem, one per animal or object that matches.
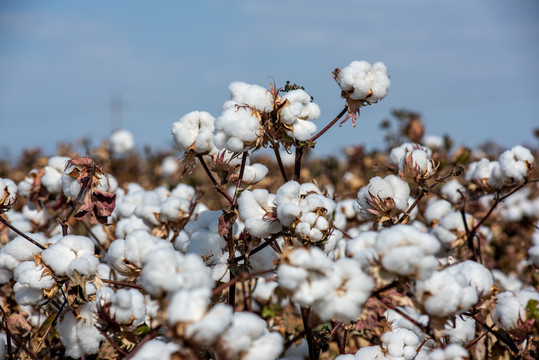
(113, 343)
(214, 182)
(280, 163)
(119, 283)
(328, 126)
(505, 339)
(240, 179)
(4, 221)
(343, 343)
(38, 347)
(306, 317)
(297, 165)
(232, 289)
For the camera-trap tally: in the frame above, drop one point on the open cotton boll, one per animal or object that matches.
(52, 179)
(476, 275)
(445, 293)
(125, 306)
(254, 173)
(208, 330)
(173, 208)
(128, 225)
(166, 270)
(31, 280)
(148, 213)
(194, 131)
(305, 275)
(515, 164)
(461, 330)
(363, 81)
(399, 152)
(70, 253)
(128, 255)
(383, 199)
(252, 95)
(297, 113)
(248, 336)
(170, 165)
(79, 334)
(509, 282)
(450, 352)
(121, 142)
(404, 250)
(156, 349)
(400, 344)
(18, 250)
(510, 311)
(188, 305)
(417, 165)
(257, 209)
(351, 289)
(236, 129)
(433, 141)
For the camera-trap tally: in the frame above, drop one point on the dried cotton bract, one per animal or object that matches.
(8, 194)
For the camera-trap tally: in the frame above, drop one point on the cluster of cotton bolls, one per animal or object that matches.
(512, 167)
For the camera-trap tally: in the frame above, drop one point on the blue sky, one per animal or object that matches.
(470, 67)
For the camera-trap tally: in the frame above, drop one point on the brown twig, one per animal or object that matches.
(328, 126)
(21, 233)
(119, 283)
(212, 178)
(280, 163)
(306, 317)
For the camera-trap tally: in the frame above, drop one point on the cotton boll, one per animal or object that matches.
(404, 250)
(257, 209)
(52, 179)
(252, 95)
(38, 217)
(351, 289)
(188, 305)
(156, 349)
(433, 141)
(450, 352)
(417, 165)
(510, 311)
(509, 282)
(166, 270)
(208, 330)
(476, 275)
(128, 225)
(461, 330)
(121, 142)
(126, 306)
(515, 164)
(400, 343)
(383, 199)
(170, 166)
(173, 208)
(18, 250)
(451, 227)
(248, 335)
(398, 153)
(445, 293)
(254, 173)
(70, 253)
(31, 280)
(79, 334)
(194, 131)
